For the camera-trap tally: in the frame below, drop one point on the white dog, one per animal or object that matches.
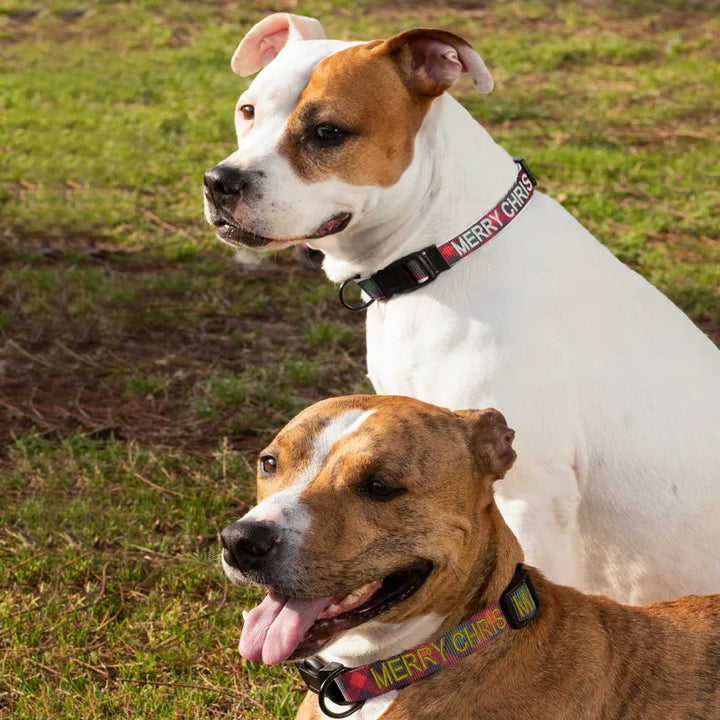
(613, 392)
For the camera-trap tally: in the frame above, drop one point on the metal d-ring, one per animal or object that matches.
(345, 303)
(326, 686)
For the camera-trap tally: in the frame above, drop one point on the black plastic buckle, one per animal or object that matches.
(520, 601)
(320, 679)
(432, 262)
(398, 276)
(521, 162)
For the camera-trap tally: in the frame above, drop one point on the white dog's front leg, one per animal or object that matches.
(541, 507)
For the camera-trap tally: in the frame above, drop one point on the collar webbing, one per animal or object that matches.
(419, 268)
(517, 606)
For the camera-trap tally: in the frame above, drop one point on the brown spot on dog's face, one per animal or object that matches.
(356, 120)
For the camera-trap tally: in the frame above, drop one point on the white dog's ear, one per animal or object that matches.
(266, 39)
(491, 440)
(431, 61)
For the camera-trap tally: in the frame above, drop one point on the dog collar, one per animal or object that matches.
(422, 267)
(351, 687)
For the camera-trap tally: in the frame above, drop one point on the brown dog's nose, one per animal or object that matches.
(246, 543)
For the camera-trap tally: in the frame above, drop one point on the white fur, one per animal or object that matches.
(613, 392)
(298, 209)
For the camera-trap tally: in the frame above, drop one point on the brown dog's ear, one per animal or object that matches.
(268, 37)
(431, 61)
(491, 439)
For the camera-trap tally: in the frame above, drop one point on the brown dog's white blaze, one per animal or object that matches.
(377, 94)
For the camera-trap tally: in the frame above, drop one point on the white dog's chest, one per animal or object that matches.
(589, 373)
(416, 347)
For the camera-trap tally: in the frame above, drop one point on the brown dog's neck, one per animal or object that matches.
(493, 569)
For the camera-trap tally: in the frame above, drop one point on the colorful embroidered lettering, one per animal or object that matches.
(396, 668)
(459, 643)
(423, 660)
(499, 618)
(472, 635)
(440, 648)
(384, 680)
(522, 602)
(484, 630)
(410, 661)
(425, 656)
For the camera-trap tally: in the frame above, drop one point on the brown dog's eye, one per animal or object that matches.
(268, 464)
(248, 111)
(376, 488)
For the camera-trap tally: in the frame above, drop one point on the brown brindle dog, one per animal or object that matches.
(376, 530)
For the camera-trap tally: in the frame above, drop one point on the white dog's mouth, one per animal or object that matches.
(235, 235)
(284, 628)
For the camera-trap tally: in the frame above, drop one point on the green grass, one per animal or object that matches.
(141, 368)
(108, 119)
(112, 601)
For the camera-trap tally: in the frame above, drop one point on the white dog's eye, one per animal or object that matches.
(330, 134)
(248, 111)
(268, 464)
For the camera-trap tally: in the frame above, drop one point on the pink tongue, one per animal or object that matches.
(277, 625)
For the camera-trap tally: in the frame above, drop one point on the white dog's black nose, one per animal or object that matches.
(224, 180)
(246, 543)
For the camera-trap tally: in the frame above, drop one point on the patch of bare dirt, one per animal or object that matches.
(65, 377)
(67, 374)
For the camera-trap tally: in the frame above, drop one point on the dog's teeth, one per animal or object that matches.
(350, 601)
(245, 614)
